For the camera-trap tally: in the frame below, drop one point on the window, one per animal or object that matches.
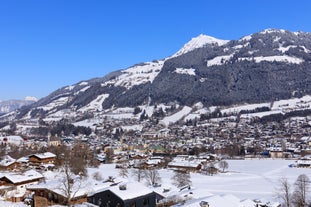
(133, 205)
(50, 196)
(146, 202)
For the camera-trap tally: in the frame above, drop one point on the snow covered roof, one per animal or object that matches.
(12, 139)
(133, 190)
(7, 161)
(45, 155)
(26, 176)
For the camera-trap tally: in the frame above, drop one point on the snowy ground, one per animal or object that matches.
(245, 179)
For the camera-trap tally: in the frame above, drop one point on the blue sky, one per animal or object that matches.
(48, 44)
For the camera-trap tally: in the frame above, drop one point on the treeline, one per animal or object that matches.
(218, 114)
(280, 117)
(62, 129)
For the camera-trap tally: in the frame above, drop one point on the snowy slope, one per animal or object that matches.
(198, 42)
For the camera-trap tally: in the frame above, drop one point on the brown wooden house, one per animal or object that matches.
(14, 185)
(45, 195)
(7, 163)
(43, 158)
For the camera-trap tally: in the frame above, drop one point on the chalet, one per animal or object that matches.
(44, 158)
(153, 162)
(186, 163)
(14, 184)
(124, 195)
(8, 163)
(53, 192)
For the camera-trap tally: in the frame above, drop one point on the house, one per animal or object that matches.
(43, 158)
(8, 163)
(14, 184)
(124, 195)
(304, 162)
(53, 192)
(276, 152)
(184, 162)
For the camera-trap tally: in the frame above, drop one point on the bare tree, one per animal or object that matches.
(70, 183)
(283, 192)
(109, 155)
(209, 168)
(152, 176)
(123, 172)
(223, 164)
(301, 188)
(181, 178)
(139, 173)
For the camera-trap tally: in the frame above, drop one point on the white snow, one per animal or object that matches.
(261, 114)
(69, 88)
(277, 58)
(55, 103)
(82, 90)
(83, 83)
(137, 75)
(198, 42)
(12, 139)
(303, 102)
(269, 31)
(219, 60)
(284, 49)
(244, 181)
(237, 109)
(190, 71)
(96, 104)
(177, 116)
(246, 38)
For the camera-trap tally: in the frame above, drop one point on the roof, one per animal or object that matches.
(24, 177)
(133, 190)
(7, 161)
(12, 139)
(44, 155)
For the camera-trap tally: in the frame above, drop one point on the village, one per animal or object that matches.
(200, 147)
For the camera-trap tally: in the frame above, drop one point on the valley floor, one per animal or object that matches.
(245, 179)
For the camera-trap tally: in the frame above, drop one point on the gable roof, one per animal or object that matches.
(44, 155)
(7, 161)
(15, 178)
(133, 190)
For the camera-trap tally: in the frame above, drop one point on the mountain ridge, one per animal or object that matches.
(265, 66)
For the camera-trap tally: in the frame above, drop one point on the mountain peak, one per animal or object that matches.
(198, 42)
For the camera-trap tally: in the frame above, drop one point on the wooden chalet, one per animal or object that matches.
(13, 185)
(7, 163)
(52, 193)
(43, 158)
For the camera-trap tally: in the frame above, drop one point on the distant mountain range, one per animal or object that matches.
(261, 67)
(11, 105)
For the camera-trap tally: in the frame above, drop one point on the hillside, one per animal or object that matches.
(261, 67)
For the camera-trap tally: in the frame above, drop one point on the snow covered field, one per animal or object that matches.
(244, 179)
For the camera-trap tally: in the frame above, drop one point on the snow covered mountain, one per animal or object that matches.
(11, 105)
(261, 67)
